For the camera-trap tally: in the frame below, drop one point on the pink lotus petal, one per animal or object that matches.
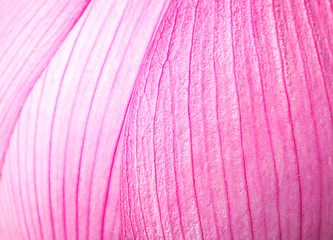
(227, 134)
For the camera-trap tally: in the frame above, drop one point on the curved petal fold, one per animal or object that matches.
(30, 34)
(60, 170)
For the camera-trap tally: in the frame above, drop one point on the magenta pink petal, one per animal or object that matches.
(229, 133)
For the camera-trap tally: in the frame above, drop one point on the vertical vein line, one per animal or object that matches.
(154, 126)
(155, 117)
(218, 126)
(111, 167)
(172, 103)
(240, 121)
(312, 112)
(27, 162)
(267, 123)
(319, 60)
(189, 117)
(14, 196)
(19, 178)
(50, 148)
(88, 118)
(291, 123)
(35, 155)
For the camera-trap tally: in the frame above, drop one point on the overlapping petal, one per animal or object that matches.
(175, 120)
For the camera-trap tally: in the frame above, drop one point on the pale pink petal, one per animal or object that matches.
(60, 171)
(30, 34)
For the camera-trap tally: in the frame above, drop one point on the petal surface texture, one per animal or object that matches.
(229, 131)
(167, 120)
